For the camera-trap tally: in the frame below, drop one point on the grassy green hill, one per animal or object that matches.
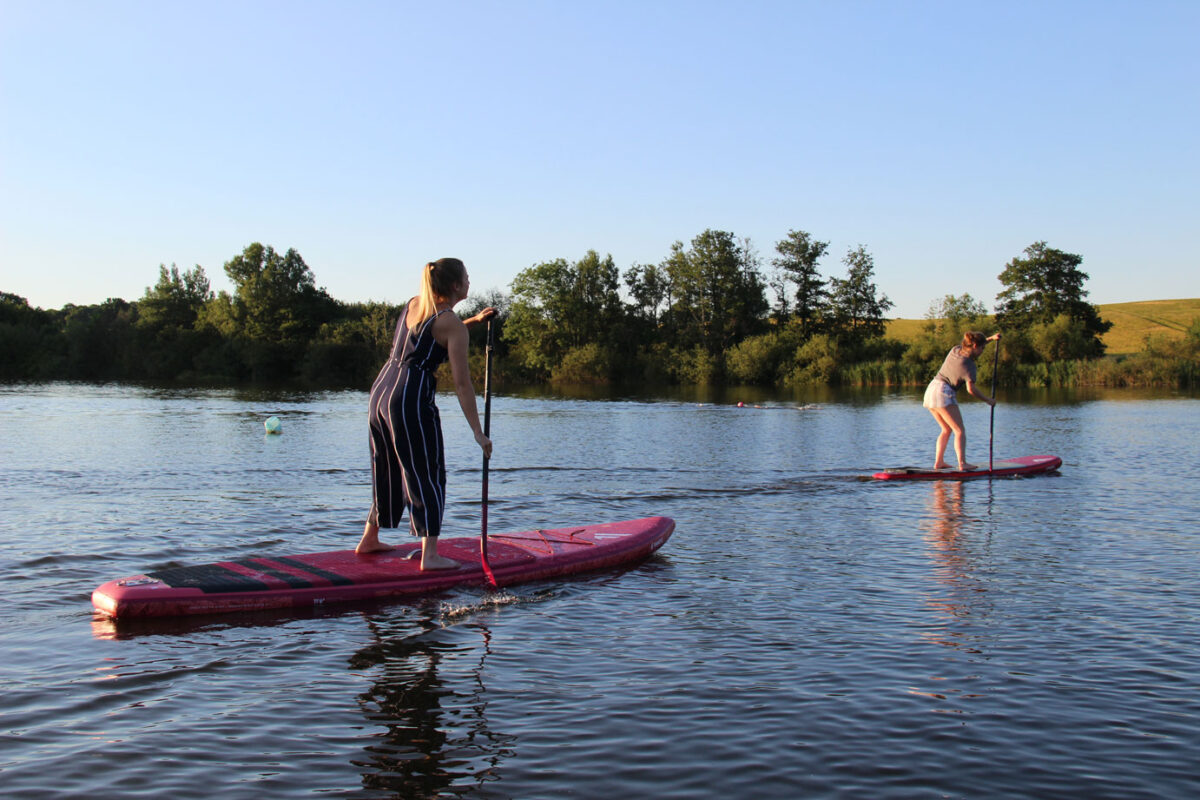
(906, 330)
(1132, 323)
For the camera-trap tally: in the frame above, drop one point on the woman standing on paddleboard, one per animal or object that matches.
(408, 469)
(941, 397)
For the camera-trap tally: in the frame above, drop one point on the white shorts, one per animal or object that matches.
(940, 394)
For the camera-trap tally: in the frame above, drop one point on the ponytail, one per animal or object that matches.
(426, 302)
(438, 279)
(974, 339)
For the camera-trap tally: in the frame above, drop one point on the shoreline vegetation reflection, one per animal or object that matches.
(751, 397)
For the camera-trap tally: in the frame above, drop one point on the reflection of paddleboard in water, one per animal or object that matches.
(1026, 465)
(299, 581)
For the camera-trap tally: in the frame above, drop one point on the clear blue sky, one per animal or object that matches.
(945, 137)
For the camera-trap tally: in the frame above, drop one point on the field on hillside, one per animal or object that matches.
(906, 330)
(1132, 323)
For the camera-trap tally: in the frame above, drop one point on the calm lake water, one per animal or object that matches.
(804, 633)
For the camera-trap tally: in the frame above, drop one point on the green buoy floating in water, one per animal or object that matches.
(273, 425)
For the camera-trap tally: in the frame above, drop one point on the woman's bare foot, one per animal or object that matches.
(435, 561)
(370, 541)
(942, 465)
(967, 467)
(430, 558)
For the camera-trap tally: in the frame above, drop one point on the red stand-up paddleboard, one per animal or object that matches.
(1025, 465)
(300, 581)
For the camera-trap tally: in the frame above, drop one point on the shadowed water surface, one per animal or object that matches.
(803, 633)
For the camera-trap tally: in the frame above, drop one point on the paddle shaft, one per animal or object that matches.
(992, 425)
(487, 431)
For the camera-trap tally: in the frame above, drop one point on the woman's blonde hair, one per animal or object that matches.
(438, 279)
(974, 339)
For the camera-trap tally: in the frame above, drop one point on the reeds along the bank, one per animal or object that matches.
(884, 373)
(1139, 370)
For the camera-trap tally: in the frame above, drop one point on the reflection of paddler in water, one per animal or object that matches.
(946, 547)
(426, 747)
(408, 465)
(954, 598)
(945, 523)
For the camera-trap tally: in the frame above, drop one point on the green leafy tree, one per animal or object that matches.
(176, 300)
(1061, 339)
(598, 286)
(100, 341)
(588, 363)
(1045, 284)
(502, 302)
(945, 322)
(719, 292)
(218, 315)
(764, 358)
(952, 316)
(347, 351)
(32, 346)
(856, 305)
(817, 361)
(275, 299)
(559, 306)
(168, 339)
(650, 288)
(372, 324)
(799, 253)
(957, 312)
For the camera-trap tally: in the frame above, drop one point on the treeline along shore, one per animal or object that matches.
(712, 312)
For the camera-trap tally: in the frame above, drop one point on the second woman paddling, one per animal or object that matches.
(942, 401)
(408, 468)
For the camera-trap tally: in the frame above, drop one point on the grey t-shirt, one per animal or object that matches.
(957, 368)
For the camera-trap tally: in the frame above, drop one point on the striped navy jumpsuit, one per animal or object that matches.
(408, 468)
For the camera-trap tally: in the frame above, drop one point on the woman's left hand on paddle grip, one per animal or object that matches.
(485, 443)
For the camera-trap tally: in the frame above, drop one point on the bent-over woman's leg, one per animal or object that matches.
(951, 421)
(939, 449)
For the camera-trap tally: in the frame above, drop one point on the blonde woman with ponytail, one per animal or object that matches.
(408, 468)
(941, 397)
